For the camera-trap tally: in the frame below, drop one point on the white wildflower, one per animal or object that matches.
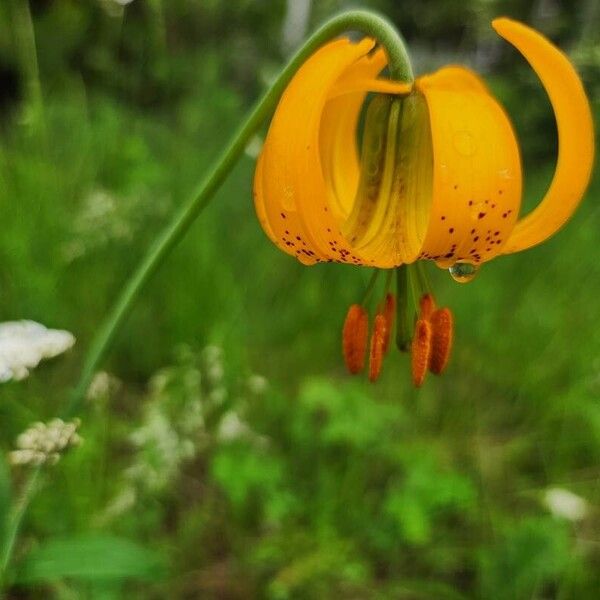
(565, 504)
(231, 427)
(217, 396)
(187, 449)
(23, 344)
(43, 443)
(103, 385)
(212, 354)
(159, 382)
(105, 218)
(191, 421)
(160, 451)
(257, 384)
(215, 374)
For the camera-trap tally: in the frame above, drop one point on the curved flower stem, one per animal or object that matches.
(399, 64)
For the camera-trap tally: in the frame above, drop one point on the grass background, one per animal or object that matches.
(230, 456)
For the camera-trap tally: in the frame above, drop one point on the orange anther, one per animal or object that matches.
(377, 341)
(354, 338)
(388, 310)
(427, 306)
(421, 351)
(442, 325)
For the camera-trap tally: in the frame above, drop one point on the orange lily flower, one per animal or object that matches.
(439, 175)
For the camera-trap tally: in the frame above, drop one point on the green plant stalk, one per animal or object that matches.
(158, 18)
(388, 281)
(370, 286)
(424, 285)
(400, 69)
(14, 525)
(24, 36)
(404, 314)
(415, 286)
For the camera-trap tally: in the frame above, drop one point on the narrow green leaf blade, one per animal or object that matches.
(90, 558)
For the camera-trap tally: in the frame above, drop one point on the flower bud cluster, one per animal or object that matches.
(43, 443)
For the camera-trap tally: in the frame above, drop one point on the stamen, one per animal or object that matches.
(388, 310)
(442, 325)
(354, 338)
(421, 351)
(377, 341)
(427, 306)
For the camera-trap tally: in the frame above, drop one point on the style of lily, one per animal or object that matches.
(438, 179)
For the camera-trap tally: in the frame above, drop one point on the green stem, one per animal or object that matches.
(158, 18)
(424, 285)
(415, 289)
(388, 281)
(15, 524)
(404, 315)
(24, 35)
(399, 65)
(370, 286)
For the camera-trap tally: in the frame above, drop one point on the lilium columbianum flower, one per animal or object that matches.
(438, 177)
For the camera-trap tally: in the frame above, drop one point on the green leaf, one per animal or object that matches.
(537, 553)
(90, 558)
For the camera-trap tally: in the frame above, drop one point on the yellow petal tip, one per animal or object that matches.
(500, 22)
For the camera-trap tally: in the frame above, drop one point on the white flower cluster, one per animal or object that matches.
(565, 504)
(45, 442)
(162, 447)
(231, 427)
(106, 218)
(192, 406)
(23, 344)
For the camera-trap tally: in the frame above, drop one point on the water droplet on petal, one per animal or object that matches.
(463, 272)
(464, 143)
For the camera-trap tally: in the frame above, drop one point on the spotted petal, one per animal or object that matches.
(477, 169)
(307, 172)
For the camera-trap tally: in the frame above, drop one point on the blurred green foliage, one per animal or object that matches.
(245, 463)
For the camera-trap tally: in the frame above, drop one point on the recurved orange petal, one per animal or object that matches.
(575, 135)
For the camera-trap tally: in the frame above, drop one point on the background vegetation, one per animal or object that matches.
(227, 454)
